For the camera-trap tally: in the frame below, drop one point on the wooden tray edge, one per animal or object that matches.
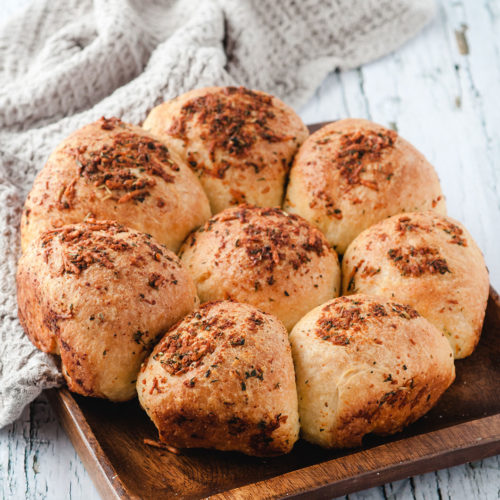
(97, 464)
(324, 480)
(328, 479)
(494, 297)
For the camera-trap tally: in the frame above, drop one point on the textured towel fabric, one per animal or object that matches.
(64, 63)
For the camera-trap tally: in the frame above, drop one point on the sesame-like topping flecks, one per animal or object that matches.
(455, 232)
(126, 169)
(364, 272)
(416, 261)
(356, 149)
(404, 311)
(344, 318)
(357, 158)
(405, 224)
(268, 238)
(98, 242)
(232, 121)
(199, 334)
(84, 245)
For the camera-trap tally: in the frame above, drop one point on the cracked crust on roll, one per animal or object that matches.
(110, 170)
(353, 173)
(366, 365)
(99, 295)
(430, 262)
(223, 378)
(263, 256)
(240, 142)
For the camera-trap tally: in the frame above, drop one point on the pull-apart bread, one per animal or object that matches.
(275, 261)
(223, 378)
(366, 365)
(353, 173)
(100, 286)
(240, 142)
(110, 170)
(430, 262)
(100, 295)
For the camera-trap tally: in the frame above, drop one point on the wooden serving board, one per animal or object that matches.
(464, 426)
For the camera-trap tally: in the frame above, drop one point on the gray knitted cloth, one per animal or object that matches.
(64, 63)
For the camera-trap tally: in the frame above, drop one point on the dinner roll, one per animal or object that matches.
(223, 378)
(364, 365)
(100, 295)
(353, 173)
(240, 142)
(430, 262)
(265, 257)
(113, 170)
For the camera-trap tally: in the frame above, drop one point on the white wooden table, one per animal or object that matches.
(446, 103)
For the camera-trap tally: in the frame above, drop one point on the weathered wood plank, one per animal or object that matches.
(447, 104)
(38, 461)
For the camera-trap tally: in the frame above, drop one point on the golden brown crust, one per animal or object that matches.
(99, 295)
(240, 142)
(430, 262)
(223, 378)
(353, 173)
(265, 257)
(366, 365)
(113, 170)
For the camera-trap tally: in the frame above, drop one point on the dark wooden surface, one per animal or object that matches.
(464, 426)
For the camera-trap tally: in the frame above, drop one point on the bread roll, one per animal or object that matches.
(430, 262)
(100, 295)
(265, 257)
(116, 171)
(353, 173)
(366, 365)
(223, 378)
(240, 142)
